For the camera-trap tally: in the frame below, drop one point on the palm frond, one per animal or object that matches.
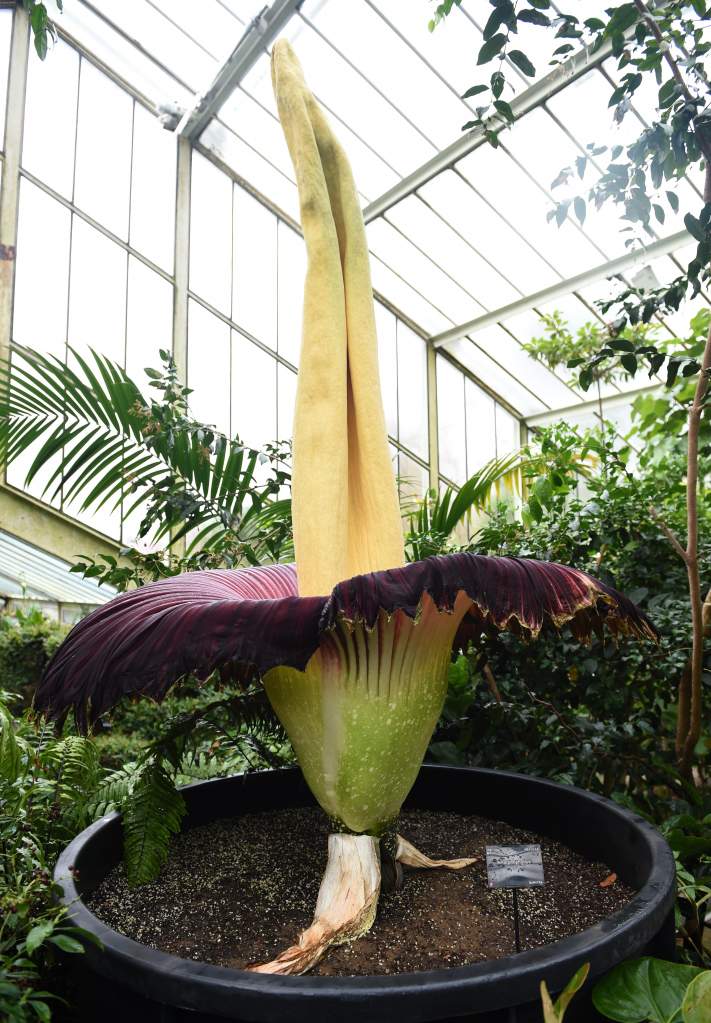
(439, 515)
(99, 446)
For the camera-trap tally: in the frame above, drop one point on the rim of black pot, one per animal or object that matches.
(168, 978)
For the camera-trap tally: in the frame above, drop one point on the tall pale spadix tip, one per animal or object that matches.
(344, 498)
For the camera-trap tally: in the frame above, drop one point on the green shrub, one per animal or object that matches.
(27, 641)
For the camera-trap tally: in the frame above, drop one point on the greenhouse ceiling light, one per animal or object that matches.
(259, 35)
(571, 284)
(524, 103)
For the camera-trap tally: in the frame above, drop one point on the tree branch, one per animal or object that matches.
(671, 537)
(692, 563)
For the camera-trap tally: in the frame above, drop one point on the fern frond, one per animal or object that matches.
(113, 791)
(151, 814)
(77, 762)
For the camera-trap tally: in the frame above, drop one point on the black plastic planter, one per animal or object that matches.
(130, 982)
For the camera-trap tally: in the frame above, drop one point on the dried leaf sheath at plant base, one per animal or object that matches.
(352, 645)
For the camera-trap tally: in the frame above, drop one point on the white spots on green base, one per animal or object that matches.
(360, 725)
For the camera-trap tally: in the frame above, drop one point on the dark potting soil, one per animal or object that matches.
(238, 891)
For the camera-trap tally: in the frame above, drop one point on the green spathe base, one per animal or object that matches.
(362, 713)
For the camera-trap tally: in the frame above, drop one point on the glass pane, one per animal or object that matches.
(449, 50)
(251, 166)
(149, 324)
(42, 270)
(211, 234)
(483, 227)
(545, 149)
(104, 520)
(499, 380)
(259, 128)
(291, 276)
(97, 293)
(506, 187)
(50, 117)
(153, 189)
(449, 250)
(286, 381)
(421, 272)
(17, 473)
(507, 352)
(393, 286)
(254, 295)
(356, 102)
(160, 38)
(386, 325)
(92, 33)
(209, 367)
(210, 23)
(252, 116)
(102, 182)
(508, 432)
(412, 390)
(5, 41)
(253, 393)
(371, 46)
(481, 427)
(451, 421)
(414, 481)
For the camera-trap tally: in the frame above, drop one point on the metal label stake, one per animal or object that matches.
(514, 866)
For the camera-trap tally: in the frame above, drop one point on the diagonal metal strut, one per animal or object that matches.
(526, 101)
(258, 36)
(662, 247)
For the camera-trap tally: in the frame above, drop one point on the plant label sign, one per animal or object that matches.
(514, 866)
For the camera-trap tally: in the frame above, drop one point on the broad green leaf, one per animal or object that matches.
(644, 990)
(696, 1007)
(522, 62)
(491, 47)
(66, 943)
(38, 935)
(570, 989)
(41, 1009)
(554, 1013)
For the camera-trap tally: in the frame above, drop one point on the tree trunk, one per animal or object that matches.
(690, 688)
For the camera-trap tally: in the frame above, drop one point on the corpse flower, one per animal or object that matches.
(352, 644)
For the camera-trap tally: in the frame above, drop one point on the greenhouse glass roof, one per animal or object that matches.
(458, 232)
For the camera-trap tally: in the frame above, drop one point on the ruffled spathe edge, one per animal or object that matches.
(250, 620)
(514, 594)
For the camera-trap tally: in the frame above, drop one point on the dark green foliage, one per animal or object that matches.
(44, 782)
(644, 989)
(632, 347)
(589, 716)
(197, 738)
(27, 641)
(52, 786)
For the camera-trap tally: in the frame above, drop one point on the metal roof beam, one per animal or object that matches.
(258, 36)
(662, 247)
(528, 100)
